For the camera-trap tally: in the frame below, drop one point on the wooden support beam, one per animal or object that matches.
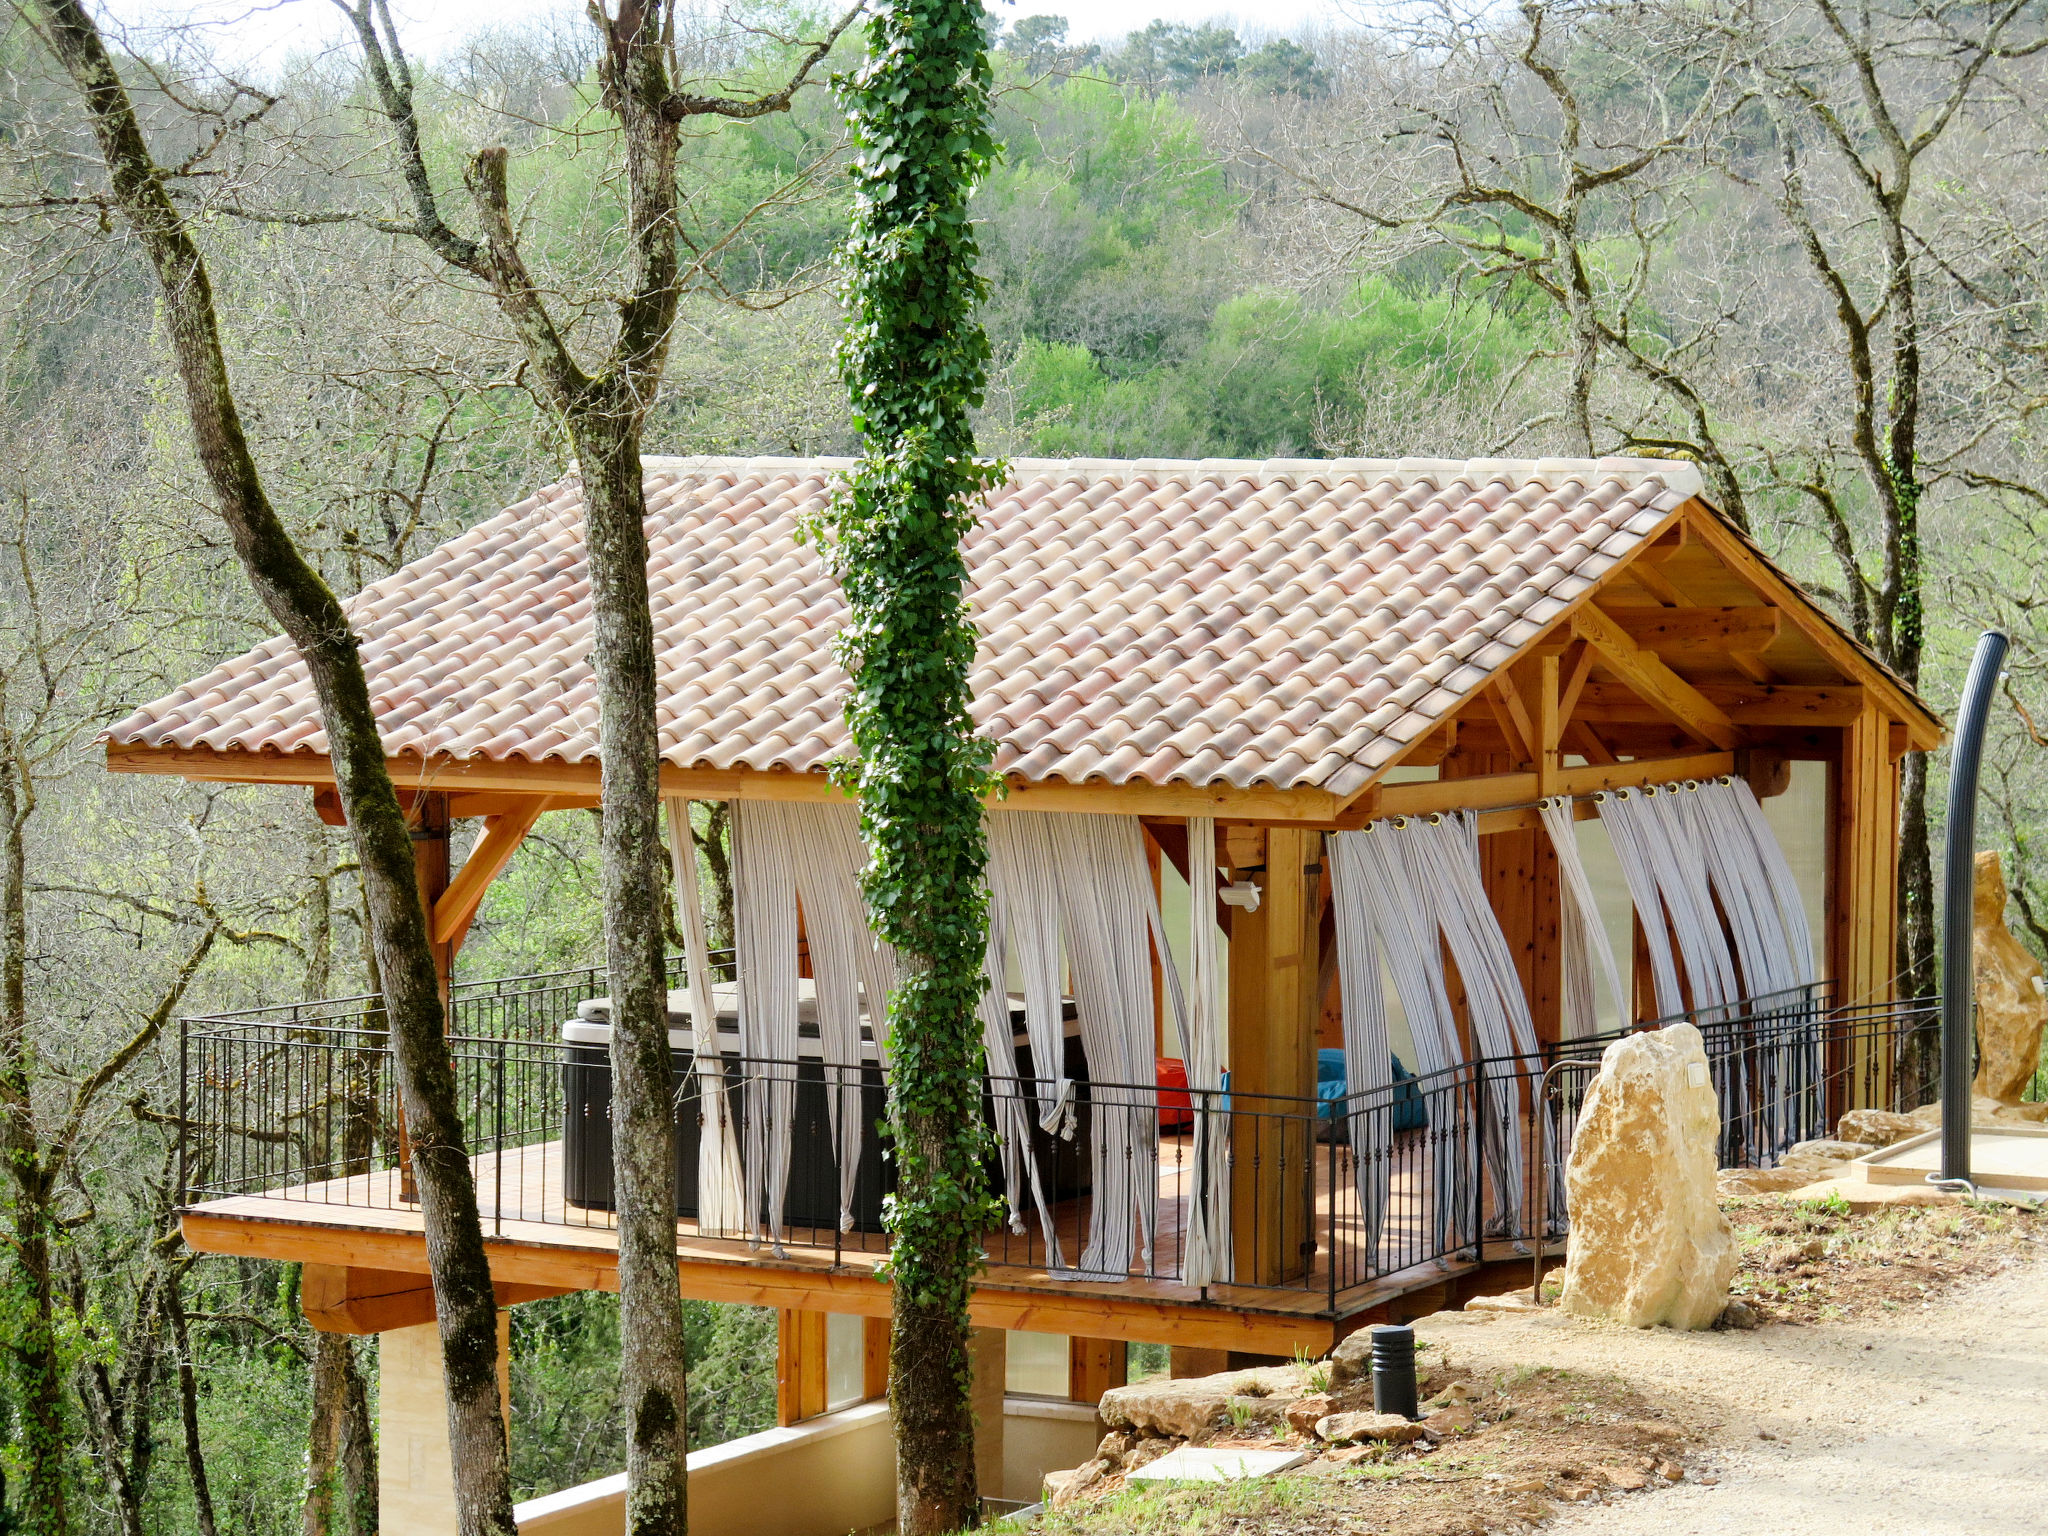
(503, 833)
(578, 782)
(1272, 1048)
(580, 1264)
(1653, 681)
(799, 1365)
(1498, 789)
(1589, 744)
(1749, 567)
(1574, 668)
(1715, 630)
(1658, 585)
(1094, 1366)
(874, 1358)
(1865, 909)
(1549, 723)
(1515, 723)
(344, 1299)
(1745, 704)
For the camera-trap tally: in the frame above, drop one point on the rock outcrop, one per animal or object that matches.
(1649, 1244)
(2012, 997)
(1876, 1127)
(1351, 1428)
(1765, 1181)
(1194, 1404)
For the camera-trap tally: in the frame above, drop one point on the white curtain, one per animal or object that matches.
(1080, 886)
(853, 971)
(1357, 896)
(1205, 1051)
(1387, 915)
(1586, 955)
(1414, 891)
(1024, 907)
(721, 1195)
(1665, 867)
(1682, 847)
(764, 934)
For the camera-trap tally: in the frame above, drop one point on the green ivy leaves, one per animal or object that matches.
(915, 361)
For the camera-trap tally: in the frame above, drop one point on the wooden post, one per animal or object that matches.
(799, 1365)
(1184, 1361)
(990, 1353)
(1273, 1015)
(874, 1363)
(1094, 1366)
(415, 1473)
(1863, 947)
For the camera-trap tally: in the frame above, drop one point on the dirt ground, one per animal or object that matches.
(1898, 1384)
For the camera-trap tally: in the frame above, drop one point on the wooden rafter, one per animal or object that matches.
(1575, 667)
(1750, 568)
(1755, 704)
(1654, 682)
(1589, 744)
(1716, 630)
(1513, 716)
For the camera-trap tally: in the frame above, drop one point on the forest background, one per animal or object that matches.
(1800, 244)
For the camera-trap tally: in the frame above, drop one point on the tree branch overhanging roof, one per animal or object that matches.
(1285, 624)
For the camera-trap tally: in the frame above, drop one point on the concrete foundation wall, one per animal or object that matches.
(1040, 1437)
(823, 1477)
(415, 1477)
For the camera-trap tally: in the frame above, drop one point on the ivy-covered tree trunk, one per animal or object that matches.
(309, 613)
(915, 360)
(28, 1302)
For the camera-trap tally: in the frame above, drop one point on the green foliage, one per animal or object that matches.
(566, 1423)
(915, 362)
(1269, 364)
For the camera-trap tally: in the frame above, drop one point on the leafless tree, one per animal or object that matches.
(137, 188)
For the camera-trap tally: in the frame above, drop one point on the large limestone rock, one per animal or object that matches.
(1196, 1403)
(2011, 1005)
(1649, 1244)
(1876, 1127)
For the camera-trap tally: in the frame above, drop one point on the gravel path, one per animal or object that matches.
(1926, 1423)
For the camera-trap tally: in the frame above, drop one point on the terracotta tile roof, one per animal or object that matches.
(1288, 623)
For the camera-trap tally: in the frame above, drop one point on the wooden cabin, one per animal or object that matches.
(1269, 652)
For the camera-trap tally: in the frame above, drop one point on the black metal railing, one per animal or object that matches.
(298, 1104)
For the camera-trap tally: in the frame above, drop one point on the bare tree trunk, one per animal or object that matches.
(604, 410)
(652, 1364)
(341, 1481)
(317, 625)
(39, 1448)
(188, 1404)
(341, 1467)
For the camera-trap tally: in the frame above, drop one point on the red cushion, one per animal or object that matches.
(1176, 1110)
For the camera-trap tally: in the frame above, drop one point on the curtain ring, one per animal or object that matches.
(1601, 797)
(1436, 818)
(1692, 786)
(1400, 823)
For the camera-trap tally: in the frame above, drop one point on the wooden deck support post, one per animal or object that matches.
(1864, 912)
(989, 1349)
(415, 1474)
(799, 1365)
(1094, 1366)
(1273, 1016)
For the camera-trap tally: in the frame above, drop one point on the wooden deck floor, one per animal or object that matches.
(537, 1238)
